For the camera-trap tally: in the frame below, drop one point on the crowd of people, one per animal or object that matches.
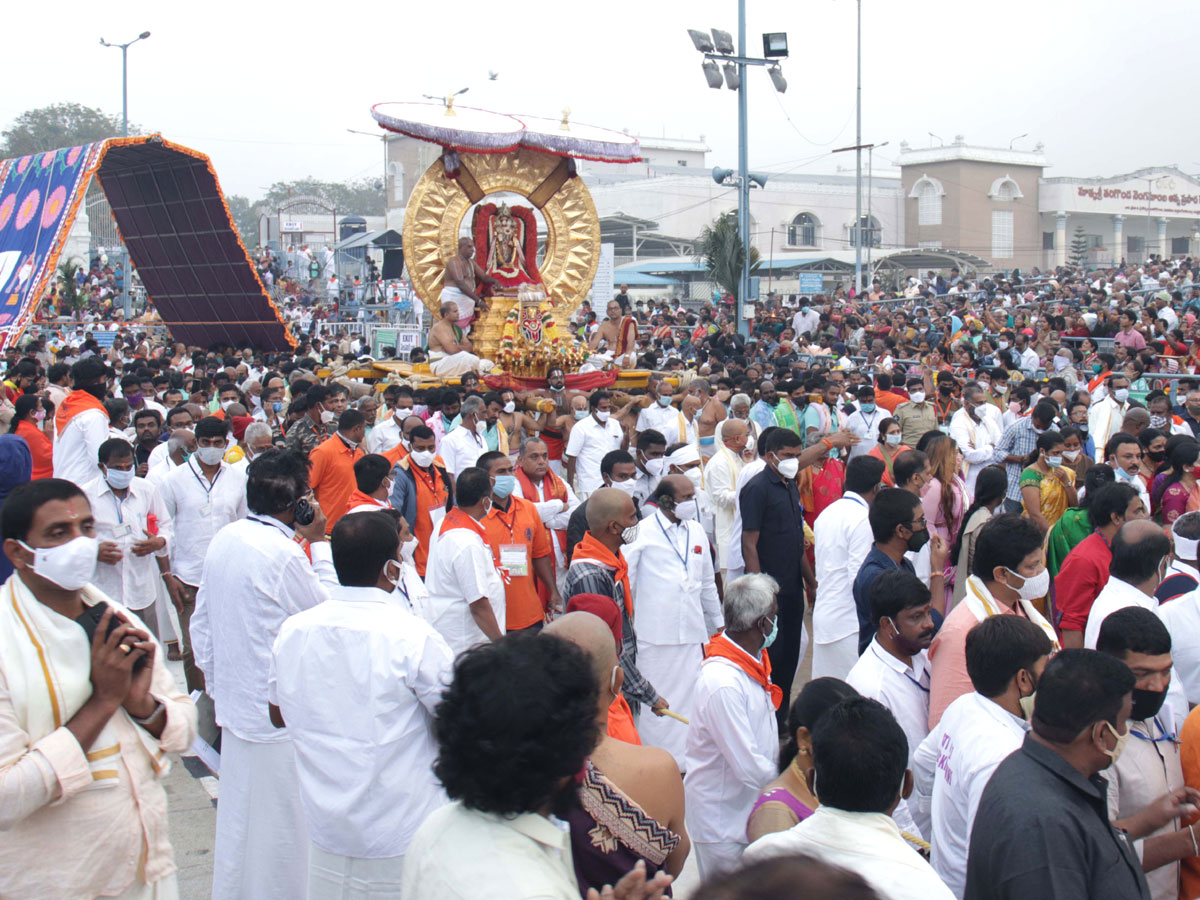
(463, 640)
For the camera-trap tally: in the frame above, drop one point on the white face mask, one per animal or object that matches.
(423, 458)
(481, 428)
(1033, 587)
(407, 549)
(210, 456)
(893, 440)
(70, 565)
(1071, 455)
(917, 396)
(1121, 395)
(788, 468)
(326, 416)
(628, 486)
(656, 467)
(602, 416)
(118, 479)
(686, 510)
(510, 407)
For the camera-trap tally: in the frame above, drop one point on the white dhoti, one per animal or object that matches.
(714, 858)
(335, 877)
(836, 658)
(674, 670)
(459, 363)
(163, 889)
(261, 849)
(465, 304)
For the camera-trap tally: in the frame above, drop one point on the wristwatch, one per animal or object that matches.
(158, 710)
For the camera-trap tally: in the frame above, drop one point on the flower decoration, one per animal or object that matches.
(27, 208)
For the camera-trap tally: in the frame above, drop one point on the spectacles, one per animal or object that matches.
(921, 521)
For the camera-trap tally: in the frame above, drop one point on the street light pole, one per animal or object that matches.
(743, 175)
(858, 163)
(126, 300)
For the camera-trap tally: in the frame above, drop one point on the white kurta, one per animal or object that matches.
(977, 441)
(461, 448)
(589, 442)
(135, 580)
(460, 571)
(76, 451)
(735, 562)
(1117, 594)
(843, 539)
(675, 611)
(720, 484)
(1105, 418)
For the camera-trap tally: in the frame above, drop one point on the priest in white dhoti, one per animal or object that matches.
(466, 590)
(83, 737)
(720, 483)
(676, 607)
(450, 349)
(255, 576)
(357, 681)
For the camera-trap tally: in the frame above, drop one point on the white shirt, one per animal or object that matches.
(198, 510)
(902, 689)
(588, 444)
(867, 843)
(1182, 618)
(461, 449)
(1117, 594)
(460, 571)
(135, 580)
(842, 537)
(667, 420)
(720, 484)
(732, 749)
(866, 426)
(806, 321)
(1105, 418)
(464, 854)
(673, 584)
(976, 440)
(357, 679)
(384, 436)
(735, 560)
(77, 449)
(1029, 360)
(255, 576)
(951, 768)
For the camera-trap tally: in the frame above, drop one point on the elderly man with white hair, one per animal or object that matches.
(720, 485)
(257, 440)
(732, 742)
(739, 408)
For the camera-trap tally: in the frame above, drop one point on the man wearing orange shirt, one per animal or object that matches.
(520, 547)
(884, 395)
(422, 490)
(331, 472)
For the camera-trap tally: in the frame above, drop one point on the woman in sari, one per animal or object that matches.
(990, 488)
(1179, 482)
(887, 446)
(820, 484)
(944, 499)
(1047, 486)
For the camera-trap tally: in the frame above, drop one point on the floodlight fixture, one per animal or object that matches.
(701, 39)
(723, 41)
(777, 79)
(775, 45)
(143, 35)
(713, 73)
(733, 80)
(720, 176)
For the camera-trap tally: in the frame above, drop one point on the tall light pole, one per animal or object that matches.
(858, 163)
(126, 300)
(870, 184)
(743, 174)
(125, 77)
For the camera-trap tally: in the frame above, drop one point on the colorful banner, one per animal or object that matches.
(39, 196)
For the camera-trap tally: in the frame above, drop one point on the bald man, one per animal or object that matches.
(1136, 421)
(599, 567)
(647, 780)
(712, 411)
(1141, 553)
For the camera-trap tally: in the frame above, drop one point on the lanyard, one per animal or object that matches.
(208, 488)
(118, 501)
(1166, 736)
(875, 650)
(278, 526)
(671, 544)
(403, 590)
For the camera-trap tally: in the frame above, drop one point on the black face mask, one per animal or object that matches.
(99, 391)
(918, 539)
(1146, 704)
(1156, 455)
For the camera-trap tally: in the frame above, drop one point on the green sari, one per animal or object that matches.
(1068, 531)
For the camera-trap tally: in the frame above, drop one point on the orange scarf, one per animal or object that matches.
(760, 672)
(73, 404)
(555, 490)
(591, 550)
(358, 498)
(456, 518)
(620, 722)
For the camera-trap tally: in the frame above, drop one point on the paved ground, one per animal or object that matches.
(192, 803)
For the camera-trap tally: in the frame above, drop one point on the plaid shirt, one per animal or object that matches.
(1019, 439)
(585, 578)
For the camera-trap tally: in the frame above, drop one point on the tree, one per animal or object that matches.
(245, 218)
(69, 297)
(1079, 248)
(720, 250)
(58, 125)
(363, 197)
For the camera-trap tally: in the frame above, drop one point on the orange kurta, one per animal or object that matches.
(40, 448)
(331, 476)
(431, 494)
(519, 524)
(1189, 759)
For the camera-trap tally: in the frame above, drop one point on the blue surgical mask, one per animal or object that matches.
(505, 485)
(581, 414)
(277, 405)
(664, 401)
(770, 639)
(867, 407)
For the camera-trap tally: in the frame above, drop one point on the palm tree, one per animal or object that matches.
(720, 250)
(69, 296)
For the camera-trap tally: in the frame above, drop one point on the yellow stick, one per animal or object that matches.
(675, 715)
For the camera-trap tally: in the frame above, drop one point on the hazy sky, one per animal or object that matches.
(269, 90)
